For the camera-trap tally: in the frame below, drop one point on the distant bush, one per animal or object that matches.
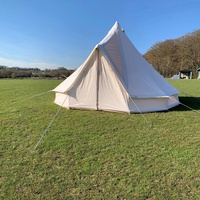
(17, 72)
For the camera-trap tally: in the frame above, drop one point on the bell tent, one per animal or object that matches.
(115, 77)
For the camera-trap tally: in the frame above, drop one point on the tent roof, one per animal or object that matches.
(137, 76)
(185, 70)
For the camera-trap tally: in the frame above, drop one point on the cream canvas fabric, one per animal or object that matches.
(115, 77)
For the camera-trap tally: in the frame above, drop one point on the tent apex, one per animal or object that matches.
(117, 24)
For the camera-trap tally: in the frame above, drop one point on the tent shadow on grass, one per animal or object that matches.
(192, 102)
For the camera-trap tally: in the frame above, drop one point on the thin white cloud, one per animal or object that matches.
(26, 64)
(3, 54)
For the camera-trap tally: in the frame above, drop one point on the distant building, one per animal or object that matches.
(198, 73)
(185, 74)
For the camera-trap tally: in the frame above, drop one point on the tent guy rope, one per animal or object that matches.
(13, 101)
(150, 125)
(188, 106)
(40, 94)
(36, 95)
(53, 119)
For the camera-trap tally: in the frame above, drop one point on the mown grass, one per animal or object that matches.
(96, 155)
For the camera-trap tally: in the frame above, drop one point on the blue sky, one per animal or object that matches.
(62, 33)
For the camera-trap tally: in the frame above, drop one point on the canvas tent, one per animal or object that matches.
(176, 76)
(198, 70)
(115, 77)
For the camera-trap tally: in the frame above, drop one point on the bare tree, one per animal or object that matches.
(170, 56)
(163, 56)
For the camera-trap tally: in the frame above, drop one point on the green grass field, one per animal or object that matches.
(96, 155)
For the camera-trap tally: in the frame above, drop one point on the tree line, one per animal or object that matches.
(171, 56)
(17, 72)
